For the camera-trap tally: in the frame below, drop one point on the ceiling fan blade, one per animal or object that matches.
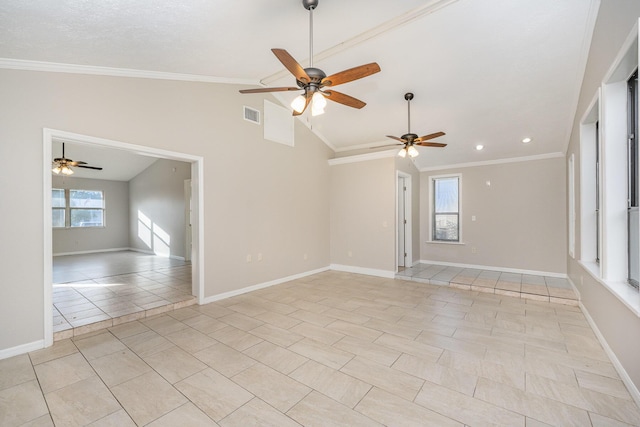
(307, 100)
(269, 89)
(341, 98)
(59, 159)
(72, 163)
(430, 144)
(396, 138)
(351, 74)
(430, 136)
(292, 65)
(90, 167)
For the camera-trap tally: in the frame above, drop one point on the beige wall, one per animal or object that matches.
(612, 318)
(156, 199)
(115, 234)
(259, 196)
(363, 228)
(520, 218)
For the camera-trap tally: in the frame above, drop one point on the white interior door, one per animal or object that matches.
(187, 219)
(402, 222)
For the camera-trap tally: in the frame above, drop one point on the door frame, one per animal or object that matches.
(197, 181)
(408, 231)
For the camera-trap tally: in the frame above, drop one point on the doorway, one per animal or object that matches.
(404, 255)
(196, 162)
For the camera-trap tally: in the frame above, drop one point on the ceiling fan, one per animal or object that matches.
(313, 80)
(410, 140)
(63, 165)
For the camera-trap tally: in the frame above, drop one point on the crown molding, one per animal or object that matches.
(363, 157)
(494, 162)
(54, 67)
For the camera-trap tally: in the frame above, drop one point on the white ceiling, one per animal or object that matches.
(485, 72)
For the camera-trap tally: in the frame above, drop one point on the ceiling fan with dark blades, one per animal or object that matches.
(313, 80)
(410, 140)
(63, 165)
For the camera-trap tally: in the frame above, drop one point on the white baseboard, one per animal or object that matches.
(626, 379)
(491, 268)
(261, 286)
(21, 349)
(96, 251)
(148, 252)
(387, 274)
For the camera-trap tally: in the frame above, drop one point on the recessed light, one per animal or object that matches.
(526, 140)
(479, 147)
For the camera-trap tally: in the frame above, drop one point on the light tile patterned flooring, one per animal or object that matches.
(527, 286)
(332, 349)
(96, 291)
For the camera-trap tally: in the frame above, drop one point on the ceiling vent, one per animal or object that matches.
(251, 115)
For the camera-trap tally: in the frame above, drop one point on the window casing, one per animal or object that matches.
(445, 214)
(633, 237)
(77, 208)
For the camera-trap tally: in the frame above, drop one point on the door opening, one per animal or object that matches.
(404, 257)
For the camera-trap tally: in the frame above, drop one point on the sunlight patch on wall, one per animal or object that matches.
(153, 236)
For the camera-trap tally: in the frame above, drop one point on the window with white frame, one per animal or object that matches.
(77, 208)
(633, 216)
(445, 214)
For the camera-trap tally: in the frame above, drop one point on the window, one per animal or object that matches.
(77, 208)
(633, 220)
(446, 209)
(597, 192)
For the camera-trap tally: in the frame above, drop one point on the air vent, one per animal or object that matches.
(251, 115)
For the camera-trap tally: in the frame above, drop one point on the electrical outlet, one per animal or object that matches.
(473, 250)
(260, 256)
(305, 256)
(249, 258)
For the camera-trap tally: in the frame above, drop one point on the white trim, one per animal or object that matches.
(444, 242)
(47, 291)
(21, 349)
(96, 251)
(492, 268)
(55, 67)
(624, 376)
(494, 162)
(623, 53)
(625, 293)
(387, 274)
(263, 285)
(363, 157)
(197, 175)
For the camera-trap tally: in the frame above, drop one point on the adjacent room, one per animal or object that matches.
(121, 239)
(320, 213)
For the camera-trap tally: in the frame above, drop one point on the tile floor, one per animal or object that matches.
(96, 291)
(527, 286)
(332, 349)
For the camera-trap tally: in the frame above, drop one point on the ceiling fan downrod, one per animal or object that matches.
(310, 5)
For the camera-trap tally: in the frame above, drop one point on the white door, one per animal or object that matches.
(402, 222)
(187, 220)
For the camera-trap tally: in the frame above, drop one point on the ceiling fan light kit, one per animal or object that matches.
(313, 80)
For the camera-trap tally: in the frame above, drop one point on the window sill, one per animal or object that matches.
(627, 294)
(442, 242)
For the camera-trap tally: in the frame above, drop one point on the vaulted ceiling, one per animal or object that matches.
(488, 72)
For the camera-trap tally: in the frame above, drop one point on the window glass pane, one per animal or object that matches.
(86, 217)
(58, 217)
(446, 227)
(57, 198)
(446, 195)
(85, 199)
